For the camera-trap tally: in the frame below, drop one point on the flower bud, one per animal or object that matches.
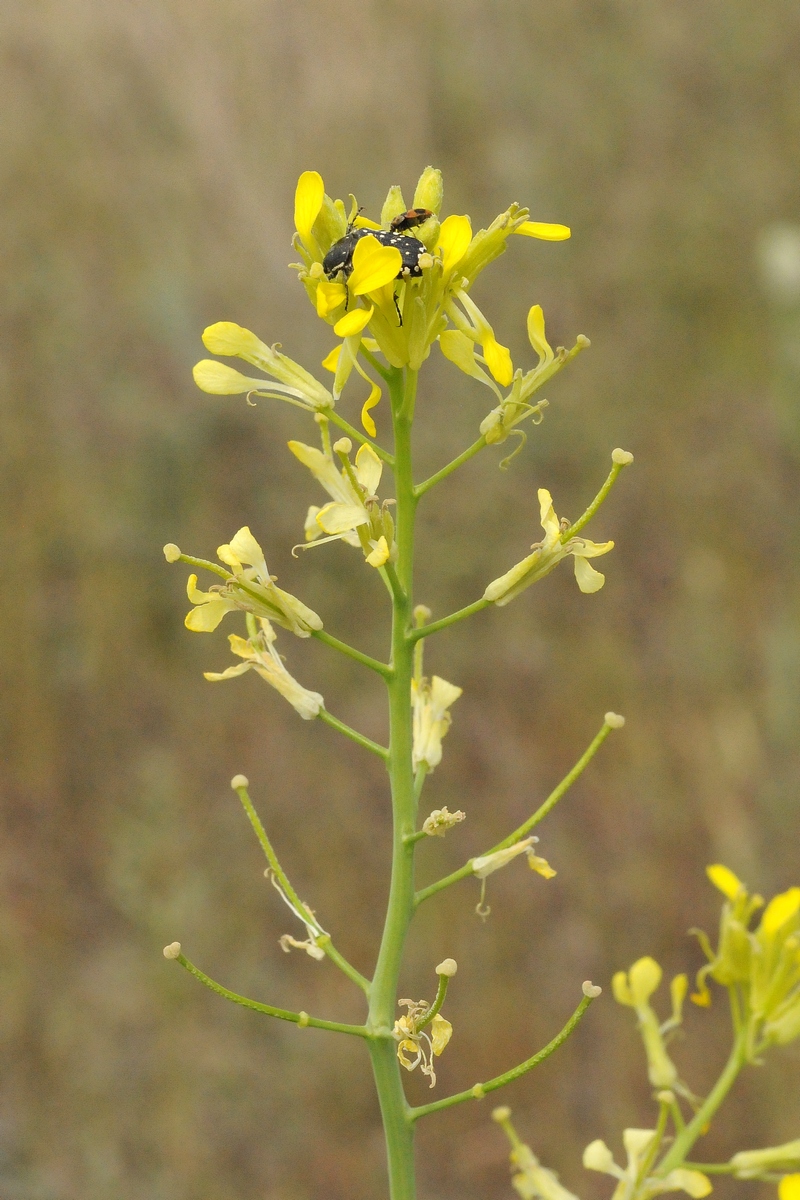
(447, 967)
(172, 552)
(173, 950)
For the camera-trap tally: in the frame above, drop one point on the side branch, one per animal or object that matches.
(365, 659)
(612, 721)
(302, 1018)
(415, 634)
(620, 459)
(301, 910)
(482, 1089)
(353, 734)
(424, 487)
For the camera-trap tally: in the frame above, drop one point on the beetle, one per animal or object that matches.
(339, 258)
(407, 220)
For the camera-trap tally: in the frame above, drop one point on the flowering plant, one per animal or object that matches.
(391, 291)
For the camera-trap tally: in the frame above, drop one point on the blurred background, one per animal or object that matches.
(150, 151)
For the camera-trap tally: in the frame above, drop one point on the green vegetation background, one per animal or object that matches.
(149, 156)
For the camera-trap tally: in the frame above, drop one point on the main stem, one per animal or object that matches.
(397, 1124)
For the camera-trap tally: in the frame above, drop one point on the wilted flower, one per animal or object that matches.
(260, 655)
(637, 1143)
(430, 703)
(414, 1041)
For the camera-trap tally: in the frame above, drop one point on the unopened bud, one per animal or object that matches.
(623, 458)
(343, 446)
(665, 1097)
(173, 950)
(448, 967)
(590, 990)
(501, 1113)
(614, 720)
(422, 614)
(240, 781)
(172, 552)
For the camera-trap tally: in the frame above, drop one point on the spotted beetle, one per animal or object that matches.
(340, 256)
(407, 220)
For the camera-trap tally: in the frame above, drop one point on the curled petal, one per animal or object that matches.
(441, 1032)
(498, 360)
(536, 334)
(370, 402)
(228, 673)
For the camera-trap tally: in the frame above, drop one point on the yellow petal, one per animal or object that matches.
(724, 879)
(644, 976)
(441, 1032)
(547, 515)
(307, 204)
(329, 297)
(789, 1188)
(379, 554)
(536, 334)
(228, 673)
(780, 910)
(374, 265)
(353, 322)
(228, 338)
(365, 223)
(621, 989)
(454, 239)
(219, 380)
(589, 580)
(544, 231)
(366, 419)
(331, 361)
(498, 360)
(206, 617)
(459, 349)
(369, 469)
(340, 518)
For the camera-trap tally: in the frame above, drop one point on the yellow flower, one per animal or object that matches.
(430, 703)
(546, 555)
(355, 514)
(250, 588)
(413, 1040)
(296, 385)
(487, 864)
(260, 655)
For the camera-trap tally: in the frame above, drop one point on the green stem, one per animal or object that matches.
(467, 454)
(353, 734)
(584, 519)
(711, 1168)
(398, 1130)
(481, 1089)
(343, 648)
(687, 1137)
(384, 372)
(435, 626)
(526, 826)
(299, 1018)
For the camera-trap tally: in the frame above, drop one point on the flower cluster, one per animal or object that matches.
(634, 1180)
(761, 966)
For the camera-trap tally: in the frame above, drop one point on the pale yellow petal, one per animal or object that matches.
(228, 673)
(340, 518)
(229, 339)
(221, 380)
(206, 617)
(644, 976)
(331, 361)
(547, 515)
(441, 1032)
(589, 580)
(369, 469)
(379, 554)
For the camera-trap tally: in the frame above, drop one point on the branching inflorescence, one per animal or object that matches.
(390, 297)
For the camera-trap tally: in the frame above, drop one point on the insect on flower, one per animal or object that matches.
(407, 220)
(339, 259)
